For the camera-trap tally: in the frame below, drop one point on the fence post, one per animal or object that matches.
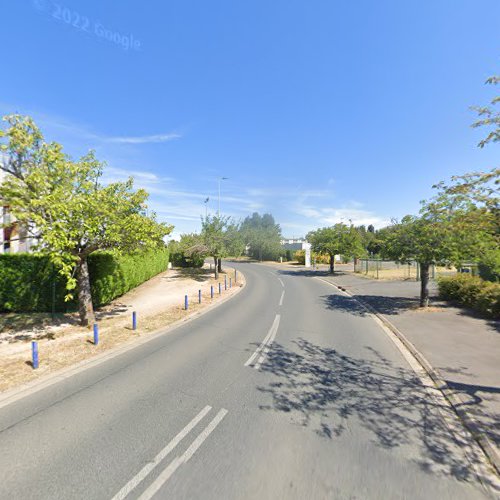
(235, 276)
(34, 355)
(220, 288)
(225, 282)
(96, 334)
(230, 283)
(199, 296)
(186, 303)
(134, 321)
(377, 265)
(211, 291)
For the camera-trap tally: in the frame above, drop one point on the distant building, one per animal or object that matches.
(293, 244)
(14, 238)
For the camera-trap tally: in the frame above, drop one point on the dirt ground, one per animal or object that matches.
(158, 303)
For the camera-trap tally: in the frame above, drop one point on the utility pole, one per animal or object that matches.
(220, 179)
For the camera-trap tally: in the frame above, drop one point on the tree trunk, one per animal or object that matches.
(85, 307)
(332, 264)
(219, 265)
(216, 267)
(424, 284)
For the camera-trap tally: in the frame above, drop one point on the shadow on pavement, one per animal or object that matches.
(384, 305)
(473, 396)
(330, 392)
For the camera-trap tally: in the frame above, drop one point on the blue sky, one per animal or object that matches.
(316, 111)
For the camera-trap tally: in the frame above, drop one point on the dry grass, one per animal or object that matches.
(401, 273)
(73, 344)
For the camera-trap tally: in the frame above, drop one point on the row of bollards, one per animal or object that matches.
(186, 298)
(34, 344)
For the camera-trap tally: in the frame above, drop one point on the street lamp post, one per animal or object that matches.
(206, 207)
(220, 179)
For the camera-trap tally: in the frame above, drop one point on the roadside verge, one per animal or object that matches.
(134, 339)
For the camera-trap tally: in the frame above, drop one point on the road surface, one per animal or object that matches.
(289, 390)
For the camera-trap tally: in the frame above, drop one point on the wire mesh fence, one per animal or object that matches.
(389, 269)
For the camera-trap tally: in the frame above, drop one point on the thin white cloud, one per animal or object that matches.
(146, 139)
(57, 125)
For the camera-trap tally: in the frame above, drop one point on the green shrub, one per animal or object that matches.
(30, 283)
(300, 256)
(473, 292)
(113, 274)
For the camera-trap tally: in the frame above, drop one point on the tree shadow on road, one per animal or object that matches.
(326, 391)
(382, 304)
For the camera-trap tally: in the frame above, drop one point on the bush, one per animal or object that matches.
(30, 283)
(473, 292)
(179, 252)
(113, 274)
(300, 257)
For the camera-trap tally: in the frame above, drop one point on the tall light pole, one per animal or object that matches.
(220, 179)
(206, 209)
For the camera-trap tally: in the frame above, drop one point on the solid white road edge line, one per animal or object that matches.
(251, 359)
(274, 329)
(281, 281)
(184, 458)
(141, 475)
(470, 447)
(282, 297)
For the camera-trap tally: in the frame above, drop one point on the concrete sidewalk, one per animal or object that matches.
(464, 349)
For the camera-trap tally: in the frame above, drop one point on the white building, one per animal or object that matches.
(14, 238)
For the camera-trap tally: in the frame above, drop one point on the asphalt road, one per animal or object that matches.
(286, 391)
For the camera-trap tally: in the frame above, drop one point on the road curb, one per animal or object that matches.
(15, 394)
(455, 401)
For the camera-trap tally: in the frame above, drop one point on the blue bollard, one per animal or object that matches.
(96, 334)
(34, 354)
(199, 296)
(225, 282)
(230, 283)
(186, 303)
(134, 321)
(211, 291)
(220, 289)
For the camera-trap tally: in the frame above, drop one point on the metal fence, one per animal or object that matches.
(389, 269)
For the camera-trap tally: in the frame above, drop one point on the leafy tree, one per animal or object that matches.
(460, 223)
(65, 207)
(263, 235)
(488, 117)
(188, 252)
(339, 239)
(234, 241)
(213, 229)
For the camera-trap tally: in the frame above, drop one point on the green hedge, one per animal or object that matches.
(472, 291)
(112, 275)
(28, 283)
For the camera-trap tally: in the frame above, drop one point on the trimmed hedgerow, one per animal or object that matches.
(472, 291)
(112, 274)
(30, 283)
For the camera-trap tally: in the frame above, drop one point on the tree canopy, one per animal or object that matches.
(339, 239)
(263, 236)
(66, 208)
(488, 117)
